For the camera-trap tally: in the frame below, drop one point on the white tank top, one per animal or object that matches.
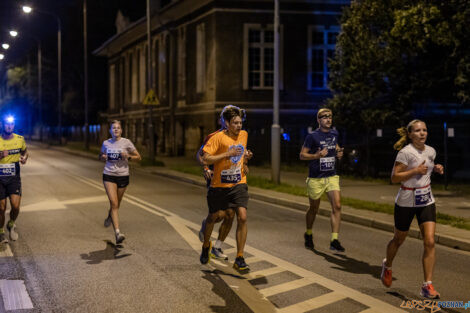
(417, 189)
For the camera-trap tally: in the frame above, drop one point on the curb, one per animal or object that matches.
(445, 240)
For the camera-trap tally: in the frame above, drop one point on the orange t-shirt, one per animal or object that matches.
(229, 171)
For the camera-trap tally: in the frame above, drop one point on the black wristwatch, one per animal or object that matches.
(129, 158)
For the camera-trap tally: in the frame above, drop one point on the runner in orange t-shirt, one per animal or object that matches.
(228, 191)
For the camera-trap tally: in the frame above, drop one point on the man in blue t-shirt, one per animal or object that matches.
(321, 148)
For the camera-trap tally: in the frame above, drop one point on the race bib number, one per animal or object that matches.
(231, 176)
(114, 154)
(7, 169)
(423, 196)
(327, 164)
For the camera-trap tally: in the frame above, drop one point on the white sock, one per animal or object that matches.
(218, 244)
(116, 231)
(427, 283)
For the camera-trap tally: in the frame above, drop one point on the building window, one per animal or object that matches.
(143, 74)
(112, 86)
(129, 77)
(200, 58)
(321, 47)
(163, 66)
(259, 57)
(182, 61)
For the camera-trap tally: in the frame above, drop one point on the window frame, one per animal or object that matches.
(325, 47)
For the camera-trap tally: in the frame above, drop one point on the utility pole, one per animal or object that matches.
(151, 132)
(276, 128)
(85, 71)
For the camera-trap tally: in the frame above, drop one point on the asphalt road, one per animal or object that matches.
(66, 261)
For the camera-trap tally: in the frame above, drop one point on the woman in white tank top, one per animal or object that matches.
(413, 168)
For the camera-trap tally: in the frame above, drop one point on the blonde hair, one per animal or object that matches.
(323, 110)
(404, 132)
(114, 122)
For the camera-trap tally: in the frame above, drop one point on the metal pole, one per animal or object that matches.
(59, 77)
(276, 128)
(40, 89)
(151, 132)
(445, 155)
(85, 70)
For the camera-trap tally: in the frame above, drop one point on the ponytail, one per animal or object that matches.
(403, 138)
(403, 133)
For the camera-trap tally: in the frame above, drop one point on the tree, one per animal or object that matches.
(392, 54)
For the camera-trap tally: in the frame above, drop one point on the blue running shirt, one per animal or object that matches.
(326, 166)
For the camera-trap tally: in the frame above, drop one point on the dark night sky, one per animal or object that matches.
(101, 18)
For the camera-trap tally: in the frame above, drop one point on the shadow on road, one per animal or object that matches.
(221, 290)
(351, 265)
(110, 252)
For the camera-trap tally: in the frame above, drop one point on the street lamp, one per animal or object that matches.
(28, 10)
(1, 56)
(13, 33)
(5, 46)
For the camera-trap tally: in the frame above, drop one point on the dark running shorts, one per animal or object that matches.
(227, 198)
(10, 186)
(404, 215)
(120, 181)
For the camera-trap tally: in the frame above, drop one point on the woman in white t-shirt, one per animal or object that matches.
(413, 168)
(116, 152)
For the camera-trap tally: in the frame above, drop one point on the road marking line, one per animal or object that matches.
(263, 273)
(251, 259)
(6, 253)
(86, 200)
(230, 250)
(15, 296)
(298, 283)
(250, 295)
(370, 310)
(47, 205)
(314, 303)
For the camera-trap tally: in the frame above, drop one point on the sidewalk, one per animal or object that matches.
(445, 235)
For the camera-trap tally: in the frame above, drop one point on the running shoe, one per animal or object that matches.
(120, 238)
(308, 241)
(205, 255)
(335, 245)
(240, 264)
(108, 221)
(429, 292)
(386, 275)
(13, 233)
(218, 254)
(3, 239)
(202, 230)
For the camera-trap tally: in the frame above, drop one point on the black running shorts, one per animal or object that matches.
(120, 181)
(10, 185)
(227, 198)
(404, 215)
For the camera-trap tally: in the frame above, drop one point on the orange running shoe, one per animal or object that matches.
(386, 275)
(429, 292)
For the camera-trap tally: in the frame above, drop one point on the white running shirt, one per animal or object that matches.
(115, 165)
(412, 157)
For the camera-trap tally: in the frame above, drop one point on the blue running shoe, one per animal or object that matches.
(240, 264)
(218, 254)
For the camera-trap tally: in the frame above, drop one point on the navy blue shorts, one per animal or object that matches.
(10, 185)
